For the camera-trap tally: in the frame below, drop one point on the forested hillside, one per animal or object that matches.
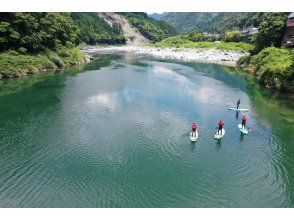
(94, 30)
(154, 30)
(36, 31)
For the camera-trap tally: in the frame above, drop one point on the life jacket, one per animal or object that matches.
(244, 118)
(220, 123)
(194, 126)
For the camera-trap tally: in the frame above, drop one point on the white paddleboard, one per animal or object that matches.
(220, 135)
(243, 130)
(193, 136)
(239, 109)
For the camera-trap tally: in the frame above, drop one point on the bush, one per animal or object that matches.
(55, 59)
(233, 36)
(13, 64)
(274, 68)
(244, 60)
(17, 65)
(22, 50)
(210, 38)
(195, 37)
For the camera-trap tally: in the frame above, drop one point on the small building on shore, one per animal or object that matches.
(248, 33)
(288, 40)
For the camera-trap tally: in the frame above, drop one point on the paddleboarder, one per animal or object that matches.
(220, 127)
(194, 127)
(238, 103)
(244, 119)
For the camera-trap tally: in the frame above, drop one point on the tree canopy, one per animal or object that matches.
(233, 36)
(36, 31)
(271, 30)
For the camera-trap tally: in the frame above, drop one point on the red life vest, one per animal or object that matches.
(220, 123)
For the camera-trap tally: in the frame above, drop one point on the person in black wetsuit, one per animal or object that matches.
(238, 103)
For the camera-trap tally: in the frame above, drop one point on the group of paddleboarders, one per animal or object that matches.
(221, 123)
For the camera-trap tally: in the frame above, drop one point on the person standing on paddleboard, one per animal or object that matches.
(244, 119)
(194, 127)
(220, 127)
(238, 103)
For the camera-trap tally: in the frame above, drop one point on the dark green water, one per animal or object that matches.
(114, 134)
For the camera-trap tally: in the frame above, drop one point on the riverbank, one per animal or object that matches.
(205, 55)
(15, 64)
(272, 67)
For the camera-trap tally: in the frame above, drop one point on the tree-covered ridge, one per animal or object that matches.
(154, 30)
(185, 22)
(214, 22)
(94, 30)
(36, 31)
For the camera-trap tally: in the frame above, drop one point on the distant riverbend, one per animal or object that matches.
(204, 55)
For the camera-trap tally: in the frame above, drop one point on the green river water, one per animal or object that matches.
(113, 133)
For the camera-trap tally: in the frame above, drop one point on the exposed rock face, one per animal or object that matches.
(133, 36)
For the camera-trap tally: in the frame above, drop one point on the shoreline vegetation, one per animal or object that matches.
(14, 64)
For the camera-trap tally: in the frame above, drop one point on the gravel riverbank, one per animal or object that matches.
(205, 55)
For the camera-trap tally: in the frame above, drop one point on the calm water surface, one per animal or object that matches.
(113, 133)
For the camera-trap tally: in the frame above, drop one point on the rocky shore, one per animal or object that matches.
(205, 55)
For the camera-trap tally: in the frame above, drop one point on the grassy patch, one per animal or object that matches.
(13, 64)
(181, 41)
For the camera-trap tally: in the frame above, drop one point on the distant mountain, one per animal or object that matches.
(216, 22)
(157, 16)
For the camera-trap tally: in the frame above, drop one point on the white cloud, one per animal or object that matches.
(105, 99)
(165, 72)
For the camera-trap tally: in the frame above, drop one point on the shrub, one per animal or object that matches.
(233, 36)
(195, 37)
(274, 68)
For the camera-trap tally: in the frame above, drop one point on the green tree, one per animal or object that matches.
(233, 36)
(271, 30)
(36, 31)
(195, 37)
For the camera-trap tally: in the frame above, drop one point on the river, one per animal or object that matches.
(113, 133)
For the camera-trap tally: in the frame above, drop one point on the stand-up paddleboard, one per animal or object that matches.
(243, 130)
(239, 109)
(193, 136)
(220, 135)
